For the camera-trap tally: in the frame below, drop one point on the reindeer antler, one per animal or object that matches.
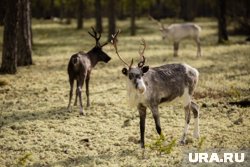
(157, 21)
(141, 53)
(96, 36)
(114, 43)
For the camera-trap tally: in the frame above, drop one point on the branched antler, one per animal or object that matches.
(114, 43)
(157, 21)
(97, 37)
(141, 53)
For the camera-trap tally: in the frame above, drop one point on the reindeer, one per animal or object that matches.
(178, 32)
(149, 87)
(80, 66)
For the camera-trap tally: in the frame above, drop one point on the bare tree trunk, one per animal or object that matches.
(133, 15)
(52, 8)
(24, 50)
(80, 14)
(9, 57)
(111, 18)
(62, 10)
(187, 9)
(222, 24)
(98, 16)
(2, 12)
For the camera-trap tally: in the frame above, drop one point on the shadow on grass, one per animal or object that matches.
(60, 113)
(102, 159)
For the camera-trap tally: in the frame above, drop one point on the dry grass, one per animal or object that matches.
(36, 129)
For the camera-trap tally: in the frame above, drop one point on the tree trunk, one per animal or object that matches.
(222, 24)
(2, 12)
(80, 14)
(111, 18)
(98, 16)
(9, 57)
(62, 8)
(187, 9)
(133, 15)
(52, 8)
(24, 51)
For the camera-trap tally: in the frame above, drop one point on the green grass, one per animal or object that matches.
(37, 130)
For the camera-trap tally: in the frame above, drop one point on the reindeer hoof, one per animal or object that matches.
(182, 142)
(82, 114)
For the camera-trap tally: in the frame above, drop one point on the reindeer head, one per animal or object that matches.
(97, 49)
(135, 74)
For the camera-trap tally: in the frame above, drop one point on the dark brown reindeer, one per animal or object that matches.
(80, 66)
(149, 87)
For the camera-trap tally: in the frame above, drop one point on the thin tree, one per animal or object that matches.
(80, 14)
(2, 12)
(98, 16)
(187, 9)
(52, 8)
(222, 23)
(9, 54)
(111, 18)
(133, 15)
(62, 10)
(24, 48)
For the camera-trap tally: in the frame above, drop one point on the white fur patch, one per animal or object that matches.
(141, 85)
(194, 70)
(134, 96)
(196, 128)
(186, 97)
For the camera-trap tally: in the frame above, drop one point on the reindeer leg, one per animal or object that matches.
(142, 112)
(187, 121)
(198, 43)
(195, 110)
(176, 47)
(75, 103)
(87, 89)
(71, 81)
(154, 110)
(81, 82)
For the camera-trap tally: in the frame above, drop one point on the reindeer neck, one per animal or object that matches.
(93, 58)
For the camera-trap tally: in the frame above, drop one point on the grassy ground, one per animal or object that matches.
(36, 129)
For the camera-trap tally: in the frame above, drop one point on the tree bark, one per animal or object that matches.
(24, 51)
(2, 12)
(9, 55)
(222, 24)
(62, 10)
(111, 18)
(187, 9)
(133, 15)
(80, 14)
(98, 16)
(52, 8)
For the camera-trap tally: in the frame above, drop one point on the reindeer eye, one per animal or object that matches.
(137, 76)
(130, 76)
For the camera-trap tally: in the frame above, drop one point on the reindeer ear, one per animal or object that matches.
(145, 69)
(125, 71)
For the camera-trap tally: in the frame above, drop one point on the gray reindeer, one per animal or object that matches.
(177, 32)
(149, 87)
(80, 66)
